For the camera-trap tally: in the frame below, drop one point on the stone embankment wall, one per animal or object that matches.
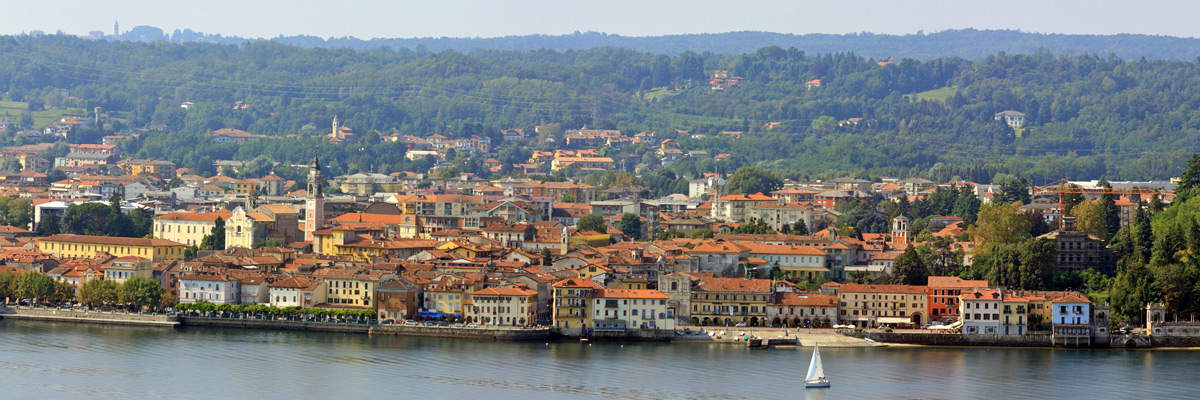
(88, 316)
(489, 333)
(633, 335)
(274, 324)
(954, 339)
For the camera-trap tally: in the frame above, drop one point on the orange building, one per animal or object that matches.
(943, 293)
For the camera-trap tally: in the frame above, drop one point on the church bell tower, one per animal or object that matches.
(314, 206)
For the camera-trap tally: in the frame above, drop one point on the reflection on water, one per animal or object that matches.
(58, 360)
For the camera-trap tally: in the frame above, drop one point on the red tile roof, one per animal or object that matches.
(902, 289)
(505, 291)
(734, 285)
(632, 294)
(806, 299)
(111, 240)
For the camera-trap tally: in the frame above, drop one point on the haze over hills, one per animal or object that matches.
(967, 43)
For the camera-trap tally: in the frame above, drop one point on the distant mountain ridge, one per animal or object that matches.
(967, 43)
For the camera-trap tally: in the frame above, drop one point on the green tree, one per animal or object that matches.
(1000, 224)
(592, 223)
(141, 222)
(701, 234)
(1012, 189)
(141, 292)
(26, 120)
(1038, 262)
(753, 226)
(62, 292)
(32, 285)
(15, 211)
(909, 269)
(119, 224)
(749, 180)
(824, 123)
(1189, 181)
(631, 226)
(98, 292)
(215, 239)
(8, 285)
(86, 219)
(799, 228)
(1089, 218)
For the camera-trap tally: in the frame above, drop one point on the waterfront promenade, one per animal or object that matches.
(823, 337)
(88, 316)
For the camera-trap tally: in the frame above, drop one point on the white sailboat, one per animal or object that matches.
(816, 373)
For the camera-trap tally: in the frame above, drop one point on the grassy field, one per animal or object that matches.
(659, 92)
(13, 109)
(938, 95)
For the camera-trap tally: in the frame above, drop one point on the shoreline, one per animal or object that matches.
(762, 337)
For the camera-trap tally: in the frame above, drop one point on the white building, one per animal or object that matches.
(979, 311)
(297, 291)
(502, 306)
(215, 289)
(632, 309)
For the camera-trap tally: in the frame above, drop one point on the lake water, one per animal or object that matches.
(46, 360)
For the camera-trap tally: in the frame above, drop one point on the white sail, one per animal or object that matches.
(816, 371)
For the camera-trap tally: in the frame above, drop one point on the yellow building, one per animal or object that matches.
(351, 288)
(186, 227)
(731, 301)
(1014, 316)
(502, 306)
(65, 245)
(366, 243)
(572, 298)
(875, 305)
(159, 168)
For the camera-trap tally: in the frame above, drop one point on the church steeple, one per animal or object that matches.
(314, 206)
(314, 178)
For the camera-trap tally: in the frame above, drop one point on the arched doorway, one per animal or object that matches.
(753, 321)
(776, 322)
(916, 320)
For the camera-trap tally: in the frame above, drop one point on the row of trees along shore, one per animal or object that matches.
(141, 293)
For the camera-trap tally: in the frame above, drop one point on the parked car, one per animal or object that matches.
(472, 325)
(412, 323)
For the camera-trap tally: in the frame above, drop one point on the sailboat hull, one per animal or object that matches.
(816, 385)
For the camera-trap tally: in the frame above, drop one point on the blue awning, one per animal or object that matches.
(438, 315)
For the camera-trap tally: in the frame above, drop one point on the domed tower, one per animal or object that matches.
(314, 206)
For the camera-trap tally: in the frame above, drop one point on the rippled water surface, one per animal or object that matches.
(68, 361)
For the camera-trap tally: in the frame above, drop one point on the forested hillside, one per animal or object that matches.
(1087, 116)
(968, 43)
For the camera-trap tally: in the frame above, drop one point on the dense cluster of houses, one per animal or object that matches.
(511, 252)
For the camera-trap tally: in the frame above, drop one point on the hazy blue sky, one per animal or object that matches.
(400, 18)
